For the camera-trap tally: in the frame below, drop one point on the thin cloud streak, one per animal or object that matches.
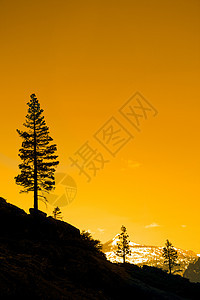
(152, 225)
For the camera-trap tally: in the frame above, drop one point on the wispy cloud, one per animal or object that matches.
(129, 164)
(101, 230)
(152, 225)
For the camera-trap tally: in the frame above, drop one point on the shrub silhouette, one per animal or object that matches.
(92, 244)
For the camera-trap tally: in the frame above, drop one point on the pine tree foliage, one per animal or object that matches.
(123, 247)
(170, 256)
(37, 153)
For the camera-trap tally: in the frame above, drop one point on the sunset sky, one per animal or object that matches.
(84, 60)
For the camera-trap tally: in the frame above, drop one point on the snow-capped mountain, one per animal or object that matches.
(147, 255)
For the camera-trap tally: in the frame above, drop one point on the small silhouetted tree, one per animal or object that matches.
(57, 213)
(123, 247)
(170, 256)
(37, 154)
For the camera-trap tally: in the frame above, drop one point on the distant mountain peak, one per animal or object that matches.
(147, 255)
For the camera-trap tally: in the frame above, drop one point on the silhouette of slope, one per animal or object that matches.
(43, 258)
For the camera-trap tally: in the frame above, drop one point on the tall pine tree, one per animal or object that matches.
(37, 154)
(170, 256)
(123, 248)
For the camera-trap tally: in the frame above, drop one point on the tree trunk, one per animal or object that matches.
(170, 267)
(124, 258)
(35, 173)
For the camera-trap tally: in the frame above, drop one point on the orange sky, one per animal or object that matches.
(84, 60)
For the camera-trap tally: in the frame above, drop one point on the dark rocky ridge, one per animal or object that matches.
(193, 272)
(42, 258)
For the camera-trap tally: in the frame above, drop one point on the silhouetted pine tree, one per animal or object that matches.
(37, 154)
(170, 256)
(123, 248)
(57, 213)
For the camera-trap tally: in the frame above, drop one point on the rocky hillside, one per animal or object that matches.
(148, 255)
(193, 272)
(42, 258)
